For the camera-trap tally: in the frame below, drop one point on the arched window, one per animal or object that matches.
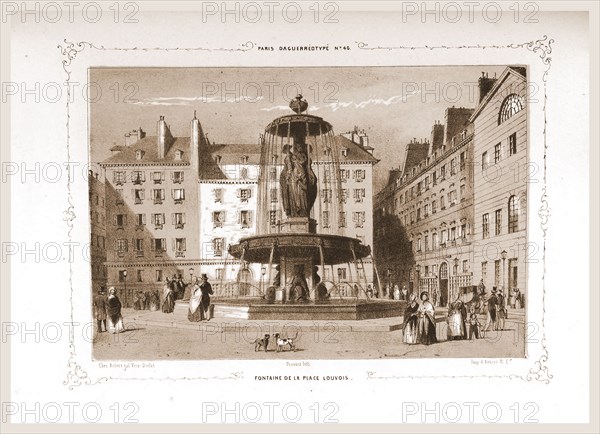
(511, 105)
(513, 214)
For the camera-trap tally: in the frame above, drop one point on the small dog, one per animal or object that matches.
(261, 342)
(283, 342)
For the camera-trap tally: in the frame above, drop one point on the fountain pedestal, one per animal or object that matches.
(295, 225)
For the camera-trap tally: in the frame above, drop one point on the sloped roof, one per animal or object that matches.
(150, 147)
(415, 153)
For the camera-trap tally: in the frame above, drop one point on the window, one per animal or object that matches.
(122, 276)
(359, 194)
(119, 196)
(419, 244)
(463, 230)
(442, 201)
(158, 195)
(179, 247)
(243, 173)
(273, 194)
(139, 245)
(138, 195)
(426, 182)
(512, 144)
(245, 219)
(158, 177)
(443, 237)
(244, 159)
(485, 161)
(497, 273)
(443, 172)
(345, 152)
(119, 177)
(178, 154)
(498, 218)
(341, 273)
(138, 176)
(159, 245)
(426, 244)
(412, 217)
(453, 166)
(433, 206)
(244, 194)
(342, 219)
(177, 177)
(511, 105)
(140, 275)
(434, 241)
(121, 245)
(325, 219)
(359, 219)
(120, 220)
(158, 220)
(178, 194)
(484, 270)
(273, 217)
(359, 175)
(463, 192)
(217, 245)
(419, 188)
(344, 175)
(217, 159)
(418, 213)
(434, 176)
(178, 220)
(218, 195)
(497, 152)
(218, 219)
(326, 176)
(513, 214)
(465, 266)
(453, 233)
(343, 195)
(219, 274)
(463, 161)
(159, 275)
(486, 225)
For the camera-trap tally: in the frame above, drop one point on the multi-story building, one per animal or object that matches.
(175, 204)
(151, 208)
(97, 229)
(436, 214)
(501, 177)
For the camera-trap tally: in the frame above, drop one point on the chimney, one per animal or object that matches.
(197, 140)
(437, 136)
(165, 139)
(485, 85)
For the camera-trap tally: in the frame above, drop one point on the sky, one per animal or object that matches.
(234, 105)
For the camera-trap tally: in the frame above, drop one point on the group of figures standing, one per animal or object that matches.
(419, 321)
(107, 311)
(200, 307)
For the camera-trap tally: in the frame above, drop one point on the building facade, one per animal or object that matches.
(97, 229)
(501, 176)
(454, 213)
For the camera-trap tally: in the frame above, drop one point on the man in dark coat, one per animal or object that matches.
(100, 305)
(207, 291)
(492, 303)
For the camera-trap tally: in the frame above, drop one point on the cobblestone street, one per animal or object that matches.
(226, 338)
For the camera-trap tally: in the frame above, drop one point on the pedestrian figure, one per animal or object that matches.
(206, 290)
(501, 314)
(115, 319)
(100, 305)
(409, 332)
(457, 316)
(195, 307)
(396, 292)
(426, 321)
(474, 325)
(168, 305)
(404, 293)
(491, 311)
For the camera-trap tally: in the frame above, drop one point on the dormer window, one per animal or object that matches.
(327, 151)
(139, 154)
(217, 159)
(345, 152)
(178, 154)
(244, 159)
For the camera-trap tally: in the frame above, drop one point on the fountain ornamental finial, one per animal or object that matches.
(299, 105)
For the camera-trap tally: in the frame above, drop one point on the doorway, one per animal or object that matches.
(443, 284)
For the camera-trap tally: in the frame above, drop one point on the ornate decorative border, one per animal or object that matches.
(543, 48)
(76, 375)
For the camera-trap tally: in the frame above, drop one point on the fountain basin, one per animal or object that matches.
(336, 249)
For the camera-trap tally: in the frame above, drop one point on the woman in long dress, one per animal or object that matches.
(114, 318)
(195, 308)
(457, 321)
(410, 321)
(168, 305)
(154, 301)
(426, 321)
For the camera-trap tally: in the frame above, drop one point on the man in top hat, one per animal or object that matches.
(501, 313)
(100, 304)
(207, 291)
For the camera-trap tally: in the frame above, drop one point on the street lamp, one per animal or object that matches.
(125, 282)
(418, 270)
(263, 271)
(503, 253)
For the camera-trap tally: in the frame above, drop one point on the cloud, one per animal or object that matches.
(186, 101)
